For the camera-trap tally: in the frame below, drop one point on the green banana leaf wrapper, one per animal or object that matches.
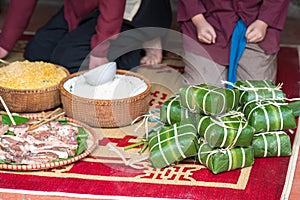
(269, 116)
(259, 90)
(222, 160)
(172, 112)
(228, 130)
(271, 144)
(172, 144)
(208, 99)
(295, 106)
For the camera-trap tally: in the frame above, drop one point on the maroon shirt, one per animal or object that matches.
(109, 21)
(222, 15)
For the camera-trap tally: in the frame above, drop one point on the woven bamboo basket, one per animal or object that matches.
(28, 101)
(106, 113)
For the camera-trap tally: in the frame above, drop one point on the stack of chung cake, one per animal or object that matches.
(268, 113)
(224, 128)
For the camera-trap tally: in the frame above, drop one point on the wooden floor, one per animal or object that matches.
(45, 9)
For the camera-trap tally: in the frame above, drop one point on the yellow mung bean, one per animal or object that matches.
(30, 75)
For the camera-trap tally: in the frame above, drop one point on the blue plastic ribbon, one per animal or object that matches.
(238, 44)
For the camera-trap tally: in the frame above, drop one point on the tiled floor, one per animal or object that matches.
(45, 9)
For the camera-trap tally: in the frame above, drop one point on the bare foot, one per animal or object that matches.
(153, 51)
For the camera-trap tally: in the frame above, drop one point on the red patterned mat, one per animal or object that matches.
(104, 175)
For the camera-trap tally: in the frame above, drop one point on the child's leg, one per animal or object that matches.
(256, 65)
(73, 49)
(54, 43)
(199, 70)
(42, 45)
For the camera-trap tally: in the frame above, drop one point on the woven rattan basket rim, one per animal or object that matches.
(105, 101)
(35, 91)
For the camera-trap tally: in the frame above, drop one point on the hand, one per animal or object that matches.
(3, 52)
(256, 31)
(206, 33)
(97, 61)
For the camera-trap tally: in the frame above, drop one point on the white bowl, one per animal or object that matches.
(101, 74)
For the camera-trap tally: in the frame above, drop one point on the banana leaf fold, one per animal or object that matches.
(172, 144)
(172, 112)
(268, 115)
(295, 106)
(222, 160)
(251, 90)
(227, 130)
(271, 144)
(208, 99)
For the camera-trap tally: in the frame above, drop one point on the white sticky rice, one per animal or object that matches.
(122, 86)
